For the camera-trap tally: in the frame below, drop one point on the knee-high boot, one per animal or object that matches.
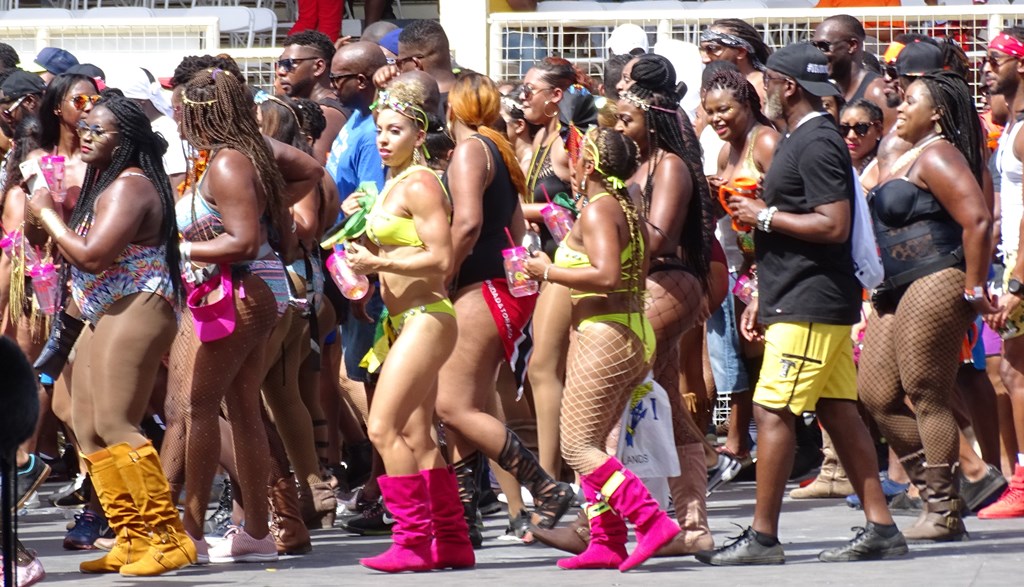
(451, 547)
(621, 489)
(170, 547)
(689, 495)
(406, 498)
(551, 499)
(132, 537)
(606, 548)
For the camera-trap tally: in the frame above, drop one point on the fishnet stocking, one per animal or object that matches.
(675, 301)
(201, 374)
(606, 361)
(913, 354)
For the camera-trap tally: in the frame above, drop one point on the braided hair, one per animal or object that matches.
(748, 33)
(312, 119)
(139, 147)
(217, 113)
(732, 80)
(957, 116)
(618, 156)
(280, 121)
(673, 132)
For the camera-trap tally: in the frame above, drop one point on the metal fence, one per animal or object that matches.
(516, 39)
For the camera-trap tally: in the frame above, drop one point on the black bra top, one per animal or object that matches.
(899, 202)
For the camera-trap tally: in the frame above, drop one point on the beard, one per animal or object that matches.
(773, 107)
(893, 100)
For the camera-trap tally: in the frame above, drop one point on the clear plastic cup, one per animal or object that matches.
(52, 167)
(352, 286)
(44, 284)
(12, 244)
(519, 282)
(558, 220)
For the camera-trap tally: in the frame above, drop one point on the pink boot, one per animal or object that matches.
(451, 548)
(624, 491)
(607, 547)
(406, 498)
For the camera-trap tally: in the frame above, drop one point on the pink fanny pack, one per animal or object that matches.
(215, 320)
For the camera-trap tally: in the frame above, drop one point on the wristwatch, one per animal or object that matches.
(1015, 287)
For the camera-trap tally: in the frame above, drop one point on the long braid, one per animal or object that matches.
(218, 113)
(139, 147)
(958, 117)
(618, 158)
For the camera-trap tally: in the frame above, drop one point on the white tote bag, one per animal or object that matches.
(646, 444)
(866, 263)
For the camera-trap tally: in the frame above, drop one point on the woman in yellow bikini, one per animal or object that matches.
(603, 262)
(410, 249)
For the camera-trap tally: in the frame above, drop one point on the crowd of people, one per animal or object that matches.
(334, 293)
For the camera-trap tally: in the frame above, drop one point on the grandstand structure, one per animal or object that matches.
(157, 33)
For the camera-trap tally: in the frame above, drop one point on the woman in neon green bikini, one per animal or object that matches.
(411, 250)
(603, 263)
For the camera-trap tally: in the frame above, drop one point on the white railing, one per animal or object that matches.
(125, 37)
(580, 35)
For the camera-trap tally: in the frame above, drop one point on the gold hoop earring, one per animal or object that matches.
(544, 110)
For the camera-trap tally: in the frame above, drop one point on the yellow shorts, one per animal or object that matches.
(805, 362)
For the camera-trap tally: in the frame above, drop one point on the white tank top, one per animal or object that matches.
(1011, 199)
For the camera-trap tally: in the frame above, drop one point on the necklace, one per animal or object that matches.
(909, 157)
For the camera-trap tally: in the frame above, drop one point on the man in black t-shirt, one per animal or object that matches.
(809, 298)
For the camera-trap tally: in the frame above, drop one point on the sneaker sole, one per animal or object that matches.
(32, 489)
(1001, 516)
(245, 558)
(892, 553)
(745, 562)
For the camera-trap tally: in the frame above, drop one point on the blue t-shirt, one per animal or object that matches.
(354, 157)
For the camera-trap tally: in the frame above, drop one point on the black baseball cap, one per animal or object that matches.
(919, 58)
(807, 65)
(20, 84)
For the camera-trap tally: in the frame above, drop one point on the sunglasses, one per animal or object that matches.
(79, 101)
(337, 78)
(97, 133)
(861, 128)
(9, 111)
(290, 63)
(713, 49)
(825, 46)
(402, 61)
(529, 91)
(995, 63)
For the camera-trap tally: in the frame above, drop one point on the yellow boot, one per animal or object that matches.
(124, 518)
(170, 547)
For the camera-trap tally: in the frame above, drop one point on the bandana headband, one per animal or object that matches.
(729, 40)
(407, 109)
(1004, 43)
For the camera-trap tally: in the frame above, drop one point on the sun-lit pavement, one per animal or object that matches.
(994, 556)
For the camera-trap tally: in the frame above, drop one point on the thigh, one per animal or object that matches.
(878, 377)
(410, 370)
(799, 359)
(82, 421)
(605, 364)
(467, 379)
(552, 321)
(127, 346)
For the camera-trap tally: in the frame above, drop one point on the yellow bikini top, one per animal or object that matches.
(386, 229)
(570, 258)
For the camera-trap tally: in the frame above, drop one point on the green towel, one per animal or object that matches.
(355, 225)
(564, 200)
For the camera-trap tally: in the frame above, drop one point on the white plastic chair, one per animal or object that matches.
(264, 21)
(116, 12)
(235, 21)
(41, 14)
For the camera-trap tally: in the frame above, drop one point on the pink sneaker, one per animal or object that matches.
(29, 572)
(239, 547)
(202, 550)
